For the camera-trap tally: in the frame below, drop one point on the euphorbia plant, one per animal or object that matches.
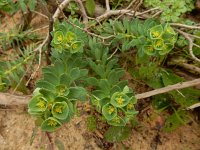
(54, 99)
(111, 97)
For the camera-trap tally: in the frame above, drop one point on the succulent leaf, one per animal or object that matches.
(60, 110)
(37, 104)
(156, 32)
(50, 124)
(119, 99)
(109, 111)
(117, 121)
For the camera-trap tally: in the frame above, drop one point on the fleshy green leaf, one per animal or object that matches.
(166, 49)
(119, 99)
(90, 6)
(62, 90)
(60, 110)
(149, 50)
(158, 44)
(58, 37)
(117, 134)
(156, 32)
(75, 73)
(37, 104)
(70, 37)
(109, 111)
(117, 121)
(168, 29)
(77, 93)
(59, 144)
(76, 47)
(92, 81)
(50, 124)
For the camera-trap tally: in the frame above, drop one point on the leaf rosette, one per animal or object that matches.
(166, 49)
(117, 121)
(158, 44)
(70, 37)
(50, 124)
(156, 32)
(37, 104)
(130, 109)
(149, 50)
(169, 30)
(119, 99)
(76, 47)
(109, 111)
(60, 110)
(58, 37)
(62, 90)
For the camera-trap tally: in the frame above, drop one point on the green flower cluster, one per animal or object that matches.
(160, 41)
(54, 100)
(64, 39)
(119, 109)
(51, 110)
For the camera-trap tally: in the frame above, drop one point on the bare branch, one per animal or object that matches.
(107, 5)
(84, 29)
(131, 3)
(194, 106)
(39, 48)
(82, 9)
(168, 88)
(137, 6)
(39, 13)
(190, 44)
(114, 13)
(149, 10)
(190, 67)
(184, 26)
(59, 9)
(9, 99)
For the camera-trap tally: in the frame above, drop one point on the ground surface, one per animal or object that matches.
(16, 129)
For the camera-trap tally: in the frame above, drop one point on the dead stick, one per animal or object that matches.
(169, 88)
(9, 99)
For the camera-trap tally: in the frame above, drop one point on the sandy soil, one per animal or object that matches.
(16, 128)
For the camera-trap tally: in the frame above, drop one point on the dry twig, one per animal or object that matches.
(190, 44)
(59, 9)
(9, 99)
(82, 9)
(184, 26)
(107, 5)
(115, 13)
(168, 88)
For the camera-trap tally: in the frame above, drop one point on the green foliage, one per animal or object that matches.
(54, 102)
(176, 120)
(111, 96)
(11, 7)
(8, 6)
(118, 3)
(67, 38)
(117, 134)
(14, 37)
(12, 71)
(172, 9)
(90, 6)
(149, 37)
(72, 8)
(91, 123)
(59, 144)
